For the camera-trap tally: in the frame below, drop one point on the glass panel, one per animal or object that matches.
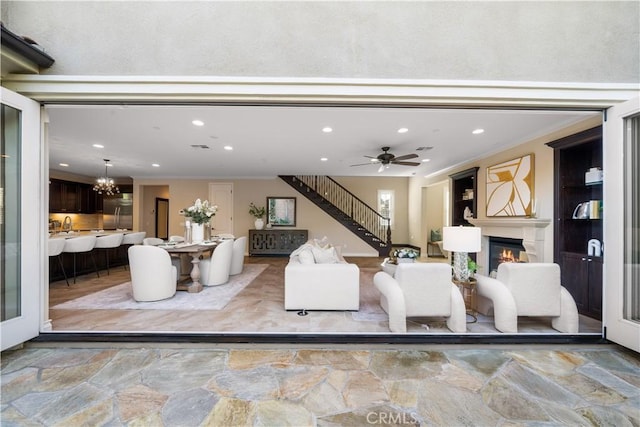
(631, 302)
(10, 213)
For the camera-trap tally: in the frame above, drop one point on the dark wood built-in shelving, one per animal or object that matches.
(581, 273)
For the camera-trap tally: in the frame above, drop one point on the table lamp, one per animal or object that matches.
(461, 240)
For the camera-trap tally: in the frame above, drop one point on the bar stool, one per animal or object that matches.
(131, 239)
(78, 245)
(109, 242)
(56, 246)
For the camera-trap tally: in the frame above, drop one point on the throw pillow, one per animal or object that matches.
(436, 235)
(325, 255)
(306, 257)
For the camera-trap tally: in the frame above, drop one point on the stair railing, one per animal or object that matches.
(368, 218)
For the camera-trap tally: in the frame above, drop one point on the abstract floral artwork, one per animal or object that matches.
(510, 187)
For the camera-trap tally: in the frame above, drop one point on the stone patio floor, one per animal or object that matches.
(113, 384)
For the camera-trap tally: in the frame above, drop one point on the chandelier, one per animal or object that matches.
(104, 184)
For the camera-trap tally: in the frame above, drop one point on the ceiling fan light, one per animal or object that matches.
(381, 169)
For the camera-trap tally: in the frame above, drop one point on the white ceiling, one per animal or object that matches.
(282, 140)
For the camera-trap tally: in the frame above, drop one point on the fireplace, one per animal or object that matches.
(534, 234)
(502, 249)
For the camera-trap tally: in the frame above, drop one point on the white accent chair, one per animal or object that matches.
(82, 244)
(215, 270)
(153, 277)
(527, 289)
(108, 242)
(421, 290)
(152, 241)
(55, 248)
(237, 259)
(177, 239)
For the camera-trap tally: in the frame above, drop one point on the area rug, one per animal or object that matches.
(211, 298)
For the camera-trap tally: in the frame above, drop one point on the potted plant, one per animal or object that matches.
(257, 212)
(199, 215)
(405, 255)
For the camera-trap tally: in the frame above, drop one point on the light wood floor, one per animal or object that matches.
(257, 308)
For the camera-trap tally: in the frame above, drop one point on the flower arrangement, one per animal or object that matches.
(405, 253)
(201, 212)
(255, 211)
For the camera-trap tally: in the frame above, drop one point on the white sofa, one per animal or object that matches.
(318, 283)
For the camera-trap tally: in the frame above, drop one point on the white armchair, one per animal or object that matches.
(421, 290)
(527, 289)
(215, 270)
(153, 277)
(237, 259)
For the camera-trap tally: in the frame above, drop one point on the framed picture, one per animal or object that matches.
(510, 187)
(281, 211)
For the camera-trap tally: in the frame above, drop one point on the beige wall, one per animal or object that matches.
(543, 182)
(182, 193)
(591, 41)
(148, 212)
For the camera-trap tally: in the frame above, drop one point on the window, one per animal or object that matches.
(386, 205)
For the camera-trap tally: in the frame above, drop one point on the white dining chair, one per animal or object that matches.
(82, 244)
(237, 258)
(55, 248)
(215, 270)
(152, 241)
(153, 277)
(226, 236)
(177, 239)
(131, 239)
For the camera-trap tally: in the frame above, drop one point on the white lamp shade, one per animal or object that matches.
(461, 239)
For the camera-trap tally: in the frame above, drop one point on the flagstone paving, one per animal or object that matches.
(200, 385)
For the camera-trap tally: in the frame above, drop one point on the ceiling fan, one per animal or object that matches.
(385, 159)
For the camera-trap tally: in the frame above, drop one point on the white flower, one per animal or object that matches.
(201, 212)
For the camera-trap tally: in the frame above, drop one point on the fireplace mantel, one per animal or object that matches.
(530, 230)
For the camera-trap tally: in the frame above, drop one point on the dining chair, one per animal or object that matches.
(215, 270)
(106, 243)
(153, 277)
(226, 236)
(82, 244)
(237, 259)
(176, 238)
(131, 239)
(55, 248)
(152, 241)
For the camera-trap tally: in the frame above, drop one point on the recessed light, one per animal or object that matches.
(477, 131)
(403, 130)
(64, 165)
(426, 160)
(327, 129)
(98, 145)
(198, 123)
(228, 147)
(323, 159)
(155, 165)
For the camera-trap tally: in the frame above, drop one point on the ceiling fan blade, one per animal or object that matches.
(406, 157)
(371, 157)
(365, 164)
(406, 163)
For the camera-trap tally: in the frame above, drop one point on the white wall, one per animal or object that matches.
(543, 182)
(182, 194)
(595, 41)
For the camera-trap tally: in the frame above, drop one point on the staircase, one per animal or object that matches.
(346, 208)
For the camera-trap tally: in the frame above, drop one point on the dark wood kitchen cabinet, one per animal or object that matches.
(578, 217)
(463, 196)
(73, 197)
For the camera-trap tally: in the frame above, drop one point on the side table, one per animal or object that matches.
(469, 294)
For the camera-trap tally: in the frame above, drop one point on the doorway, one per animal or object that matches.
(162, 218)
